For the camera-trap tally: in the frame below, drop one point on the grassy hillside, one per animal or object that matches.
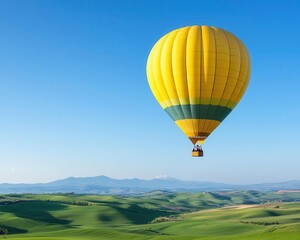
(193, 216)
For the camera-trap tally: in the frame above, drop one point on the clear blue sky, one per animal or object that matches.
(75, 101)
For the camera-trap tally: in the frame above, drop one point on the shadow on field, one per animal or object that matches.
(35, 211)
(105, 218)
(272, 213)
(13, 230)
(135, 214)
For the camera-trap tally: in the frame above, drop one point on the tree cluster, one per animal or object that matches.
(3, 232)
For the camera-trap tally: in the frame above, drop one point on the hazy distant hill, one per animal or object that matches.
(106, 185)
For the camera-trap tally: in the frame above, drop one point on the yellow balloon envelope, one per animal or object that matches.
(198, 74)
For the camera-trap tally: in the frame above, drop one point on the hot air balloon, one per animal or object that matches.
(198, 74)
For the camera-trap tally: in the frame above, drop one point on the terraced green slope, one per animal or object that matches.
(66, 217)
(263, 222)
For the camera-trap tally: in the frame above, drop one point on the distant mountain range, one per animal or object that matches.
(106, 185)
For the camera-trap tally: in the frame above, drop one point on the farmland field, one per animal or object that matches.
(154, 215)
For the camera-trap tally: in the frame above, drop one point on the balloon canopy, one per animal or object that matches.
(198, 74)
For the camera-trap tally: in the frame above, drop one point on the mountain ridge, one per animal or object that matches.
(106, 185)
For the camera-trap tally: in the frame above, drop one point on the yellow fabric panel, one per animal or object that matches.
(198, 125)
(179, 63)
(210, 125)
(207, 125)
(193, 63)
(167, 68)
(243, 77)
(242, 92)
(222, 65)
(208, 65)
(200, 142)
(209, 62)
(185, 127)
(234, 69)
(240, 95)
(152, 80)
(154, 74)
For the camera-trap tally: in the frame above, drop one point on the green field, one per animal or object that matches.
(155, 215)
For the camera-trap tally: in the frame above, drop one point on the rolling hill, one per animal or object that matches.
(154, 215)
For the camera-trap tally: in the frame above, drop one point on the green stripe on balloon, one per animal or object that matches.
(198, 111)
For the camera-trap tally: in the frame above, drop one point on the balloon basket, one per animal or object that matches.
(198, 153)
